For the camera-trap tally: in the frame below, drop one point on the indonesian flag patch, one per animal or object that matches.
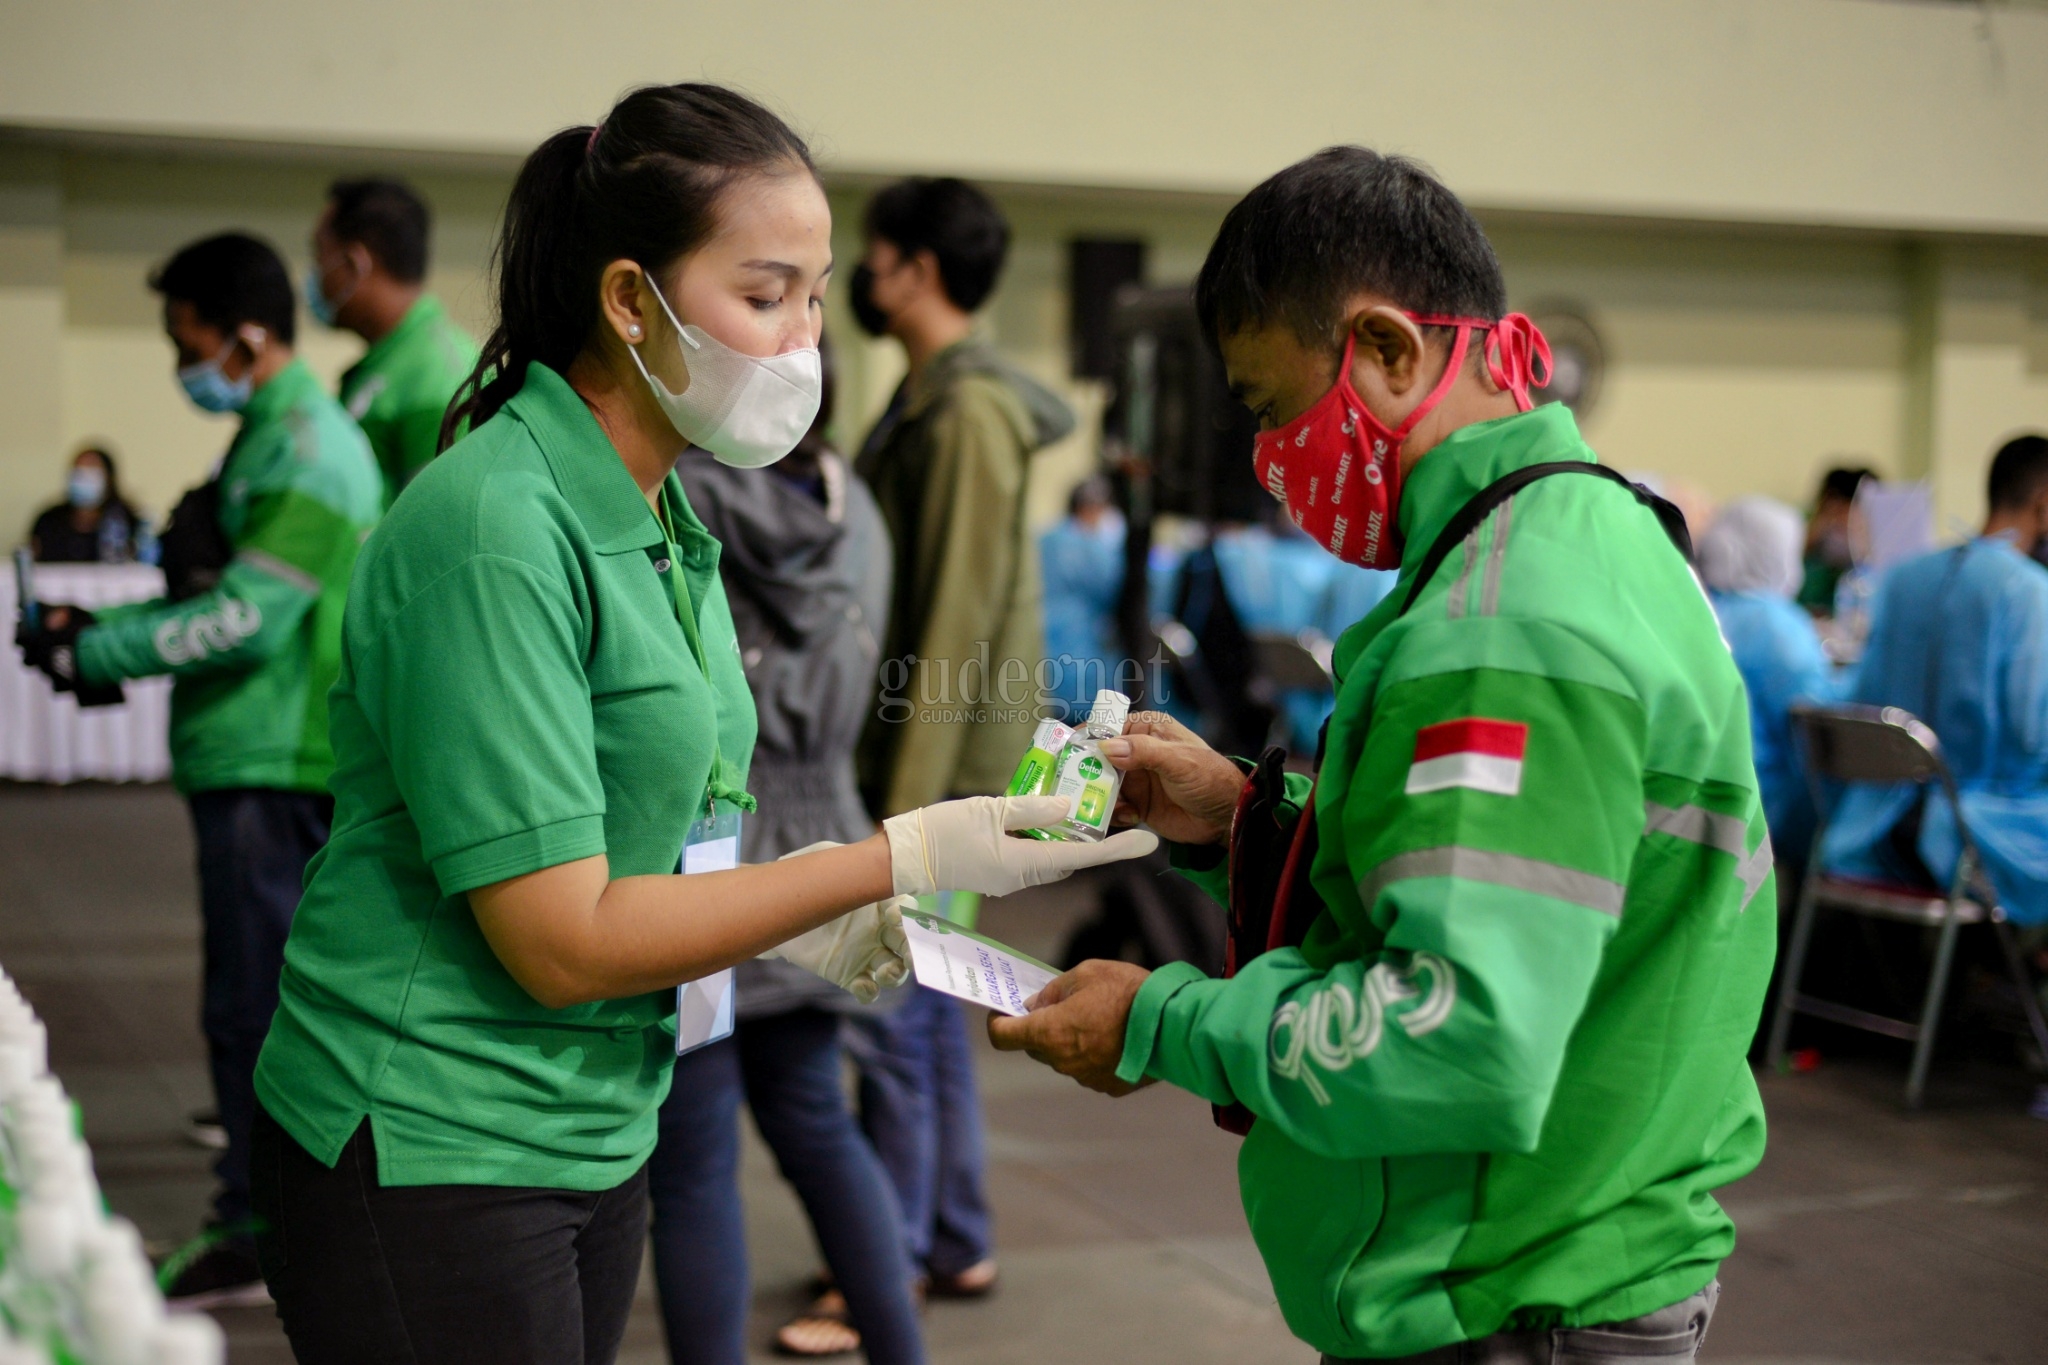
(1485, 755)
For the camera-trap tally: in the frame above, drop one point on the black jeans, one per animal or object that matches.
(254, 843)
(441, 1274)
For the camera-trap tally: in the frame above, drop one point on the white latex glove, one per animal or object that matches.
(964, 845)
(863, 950)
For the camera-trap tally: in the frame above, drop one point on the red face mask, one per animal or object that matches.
(1337, 468)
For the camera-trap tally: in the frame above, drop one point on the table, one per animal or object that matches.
(46, 737)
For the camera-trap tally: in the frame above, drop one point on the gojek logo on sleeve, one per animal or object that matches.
(1334, 1028)
(184, 640)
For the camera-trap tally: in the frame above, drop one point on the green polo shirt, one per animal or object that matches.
(516, 691)
(400, 388)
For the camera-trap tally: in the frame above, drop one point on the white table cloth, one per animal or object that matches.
(47, 737)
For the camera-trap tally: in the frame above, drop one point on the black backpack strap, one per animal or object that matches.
(1500, 490)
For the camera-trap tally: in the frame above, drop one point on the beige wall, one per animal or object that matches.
(1741, 360)
(1864, 112)
(1743, 357)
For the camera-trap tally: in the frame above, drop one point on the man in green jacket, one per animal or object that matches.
(369, 277)
(1492, 1086)
(253, 639)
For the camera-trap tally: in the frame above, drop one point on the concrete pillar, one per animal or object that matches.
(1968, 386)
(31, 337)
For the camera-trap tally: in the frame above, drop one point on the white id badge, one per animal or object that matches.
(704, 1006)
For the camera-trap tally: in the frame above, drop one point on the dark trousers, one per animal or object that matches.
(441, 1274)
(254, 843)
(922, 1110)
(787, 1067)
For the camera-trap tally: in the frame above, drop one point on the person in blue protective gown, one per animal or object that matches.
(1960, 638)
(1750, 559)
(1282, 582)
(1081, 562)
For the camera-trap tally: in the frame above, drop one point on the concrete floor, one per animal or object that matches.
(1867, 1235)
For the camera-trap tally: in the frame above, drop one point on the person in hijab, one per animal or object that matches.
(1750, 559)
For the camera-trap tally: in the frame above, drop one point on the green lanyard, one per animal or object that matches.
(719, 784)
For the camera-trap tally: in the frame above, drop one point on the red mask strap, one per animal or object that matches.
(1513, 346)
(1511, 355)
(1443, 386)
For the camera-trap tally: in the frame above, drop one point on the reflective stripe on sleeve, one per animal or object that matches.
(264, 562)
(1721, 833)
(1454, 604)
(1496, 869)
(1489, 584)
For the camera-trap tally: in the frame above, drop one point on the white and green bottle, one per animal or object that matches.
(1084, 776)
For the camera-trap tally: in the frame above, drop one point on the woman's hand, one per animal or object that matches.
(1173, 782)
(966, 845)
(864, 951)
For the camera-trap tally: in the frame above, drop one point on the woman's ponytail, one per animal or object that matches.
(643, 185)
(538, 228)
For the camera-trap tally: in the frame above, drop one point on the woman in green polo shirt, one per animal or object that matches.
(540, 704)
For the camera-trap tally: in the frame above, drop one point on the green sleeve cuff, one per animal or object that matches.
(1141, 1030)
(516, 854)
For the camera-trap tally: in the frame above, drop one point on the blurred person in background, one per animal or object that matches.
(1829, 551)
(542, 734)
(1082, 561)
(1959, 638)
(369, 277)
(94, 524)
(1750, 559)
(949, 461)
(253, 654)
(805, 563)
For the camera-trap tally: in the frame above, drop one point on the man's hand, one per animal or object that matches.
(51, 644)
(1173, 782)
(1076, 1025)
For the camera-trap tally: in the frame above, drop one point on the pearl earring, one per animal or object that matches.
(633, 331)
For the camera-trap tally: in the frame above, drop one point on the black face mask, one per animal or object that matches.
(872, 319)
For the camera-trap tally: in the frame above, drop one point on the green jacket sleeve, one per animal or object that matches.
(967, 560)
(1432, 1013)
(290, 544)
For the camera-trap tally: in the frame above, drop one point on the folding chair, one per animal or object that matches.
(1886, 744)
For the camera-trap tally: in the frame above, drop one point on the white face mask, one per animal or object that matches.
(747, 411)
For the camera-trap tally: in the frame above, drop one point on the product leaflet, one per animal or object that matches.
(977, 969)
